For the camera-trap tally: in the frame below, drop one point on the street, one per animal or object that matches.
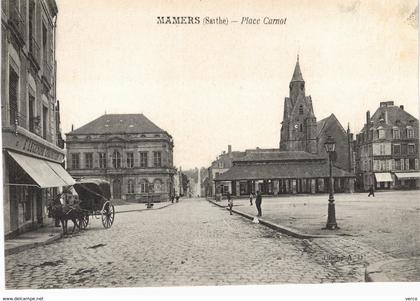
(189, 243)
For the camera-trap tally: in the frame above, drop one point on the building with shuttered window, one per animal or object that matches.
(128, 150)
(388, 149)
(32, 145)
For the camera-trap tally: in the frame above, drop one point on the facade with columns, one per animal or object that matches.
(300, 165)
(129, 151)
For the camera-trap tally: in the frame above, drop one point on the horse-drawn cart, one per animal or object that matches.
(94, 200)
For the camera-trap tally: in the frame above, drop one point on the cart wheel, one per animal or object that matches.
(108, 215)
(84, 221)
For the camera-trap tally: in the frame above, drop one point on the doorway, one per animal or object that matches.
(116, 189)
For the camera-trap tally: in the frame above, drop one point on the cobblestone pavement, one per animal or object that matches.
(190, 243)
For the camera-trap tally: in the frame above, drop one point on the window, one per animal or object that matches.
(143, 159)
(44, 121)
(402, 164)
(381, 133)
(398, 164)
(411, 164)
(411, 149)
(396, 149)
(396, 133)
(382, 149)
(102, 160)
(371, 134)
(300, 127)
(410, 132)
(130, 186)
(157, 159)
(130, 160)
(144, 186)
(157, 185)
(88, 160)
(75, 161)
(116, 159)
(32, 113)
(300, 110)
(13, 96)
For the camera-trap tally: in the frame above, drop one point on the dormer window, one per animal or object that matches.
(381, 133)
(410, 132)
(396, 133)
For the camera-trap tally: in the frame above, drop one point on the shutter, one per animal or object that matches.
(402, 164)
(416, 163)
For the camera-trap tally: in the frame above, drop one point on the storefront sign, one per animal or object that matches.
(25, 144)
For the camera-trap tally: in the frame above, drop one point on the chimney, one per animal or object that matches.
(72, 128)
(401, 107)
(229, 149)
(367, 118)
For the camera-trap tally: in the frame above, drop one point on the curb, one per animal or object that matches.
(280, 228)
(24, 247)
(374, 273)
(139, 210)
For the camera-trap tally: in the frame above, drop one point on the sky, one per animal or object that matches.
(214, 85)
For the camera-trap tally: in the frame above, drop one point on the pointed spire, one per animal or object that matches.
(297, 74)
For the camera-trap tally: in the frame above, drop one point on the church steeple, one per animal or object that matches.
(297, 74)
(297, 84)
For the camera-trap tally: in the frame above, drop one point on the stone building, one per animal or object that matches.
(32, 174)
(128, 150)
(300, 165)
(388, 149)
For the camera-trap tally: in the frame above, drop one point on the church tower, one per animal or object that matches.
(299, 128)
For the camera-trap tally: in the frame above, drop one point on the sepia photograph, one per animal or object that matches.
(223, 146)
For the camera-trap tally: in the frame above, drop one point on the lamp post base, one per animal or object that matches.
(331, 222)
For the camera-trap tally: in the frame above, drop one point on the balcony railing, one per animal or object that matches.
(34, 50)
(17, 23)
(15, 117)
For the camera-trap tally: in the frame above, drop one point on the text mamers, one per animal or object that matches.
(177, 20)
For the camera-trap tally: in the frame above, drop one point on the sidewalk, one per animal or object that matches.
(130, 207)
(32, 239)
(303, 217)
(49, 233)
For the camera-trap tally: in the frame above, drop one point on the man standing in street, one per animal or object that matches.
(251, 196)
(230, 202)
(258, 200)
(371, 191)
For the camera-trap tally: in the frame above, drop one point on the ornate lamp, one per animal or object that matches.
(331, 221)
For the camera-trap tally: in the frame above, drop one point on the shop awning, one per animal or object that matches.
(407, 175)
(383, 177)
(44, 173)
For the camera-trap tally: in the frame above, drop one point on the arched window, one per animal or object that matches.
(301, 110)
(116, 159)
(130, 186)
(144, 185)
(157, 184)
(410, 132)
(302, 86)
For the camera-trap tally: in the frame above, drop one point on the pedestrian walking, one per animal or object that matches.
(177, 198)
(251, 196)
(258, 201)
(230, 202)
(371, 191)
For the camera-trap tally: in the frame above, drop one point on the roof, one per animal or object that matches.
(297, 74)
(119, 123)
(271, 156)
(394, 113)
(290, 170)
(321, 124)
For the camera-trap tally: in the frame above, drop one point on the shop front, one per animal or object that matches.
(32, 176)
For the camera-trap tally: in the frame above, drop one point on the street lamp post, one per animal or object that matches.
(331, 221)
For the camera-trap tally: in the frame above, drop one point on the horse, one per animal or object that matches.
(64, 214)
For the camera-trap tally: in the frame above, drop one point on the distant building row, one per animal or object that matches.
(385, 154)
